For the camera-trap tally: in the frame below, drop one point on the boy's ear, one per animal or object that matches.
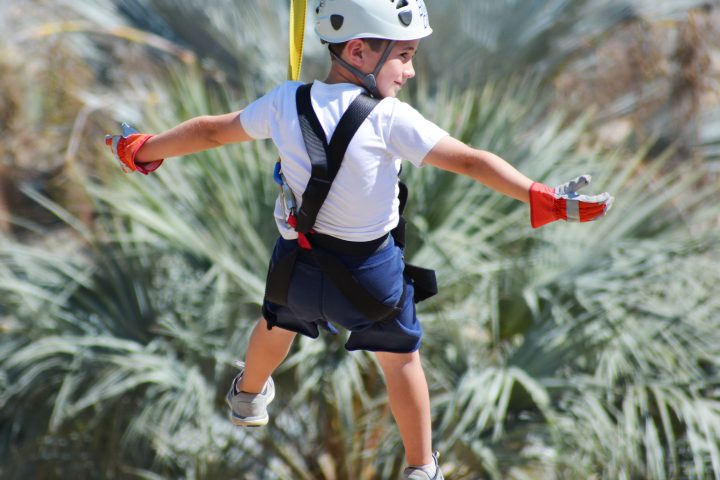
(355, 50)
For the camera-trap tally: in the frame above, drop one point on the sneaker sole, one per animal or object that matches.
(241, 422)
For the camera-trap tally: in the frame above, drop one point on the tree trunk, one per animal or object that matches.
(4, 204)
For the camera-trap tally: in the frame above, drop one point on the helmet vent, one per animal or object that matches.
(336, 21)
(406, 16)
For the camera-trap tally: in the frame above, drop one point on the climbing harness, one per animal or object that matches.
(326, 158)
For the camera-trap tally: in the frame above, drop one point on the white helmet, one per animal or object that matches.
(338, 21)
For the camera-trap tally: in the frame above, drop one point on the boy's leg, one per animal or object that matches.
(266, 351)
(410, 403)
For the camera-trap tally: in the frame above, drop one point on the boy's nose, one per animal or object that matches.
(409, 70)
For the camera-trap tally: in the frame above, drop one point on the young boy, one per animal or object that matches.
(372, 44)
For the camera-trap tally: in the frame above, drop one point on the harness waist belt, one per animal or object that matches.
(346, 247)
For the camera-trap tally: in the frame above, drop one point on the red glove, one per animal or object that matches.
(125, 148)
(563, 203)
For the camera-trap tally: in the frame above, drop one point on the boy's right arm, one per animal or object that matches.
(546, 204)
(136, 150)
(487, 168)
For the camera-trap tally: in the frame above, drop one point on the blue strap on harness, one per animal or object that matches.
(276, 174)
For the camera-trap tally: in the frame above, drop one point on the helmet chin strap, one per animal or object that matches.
(368, 80)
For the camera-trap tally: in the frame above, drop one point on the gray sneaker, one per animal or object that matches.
(414, 473)
(250, 409)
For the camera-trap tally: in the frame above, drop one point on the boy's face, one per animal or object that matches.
(398, 67)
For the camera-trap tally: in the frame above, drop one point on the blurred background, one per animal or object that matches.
(571, 352)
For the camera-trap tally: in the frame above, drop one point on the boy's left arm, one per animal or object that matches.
(145, 153)
(546, 204)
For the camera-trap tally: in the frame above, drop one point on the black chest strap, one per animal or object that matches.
(326, 159)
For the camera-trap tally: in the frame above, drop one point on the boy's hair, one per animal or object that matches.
(375, 44)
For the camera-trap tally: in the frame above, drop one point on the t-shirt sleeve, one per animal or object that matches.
(257, 118)
(411, 136)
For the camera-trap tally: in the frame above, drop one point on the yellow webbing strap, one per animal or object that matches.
(297, 41)
(297, 37)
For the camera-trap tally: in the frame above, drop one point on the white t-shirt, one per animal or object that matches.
(362, 204)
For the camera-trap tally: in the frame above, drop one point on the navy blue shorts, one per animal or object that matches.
(313, 300)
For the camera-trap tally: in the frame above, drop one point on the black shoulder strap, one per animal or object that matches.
(325, 158)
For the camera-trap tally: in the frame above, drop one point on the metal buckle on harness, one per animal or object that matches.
(289, 205)
(287, 197)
